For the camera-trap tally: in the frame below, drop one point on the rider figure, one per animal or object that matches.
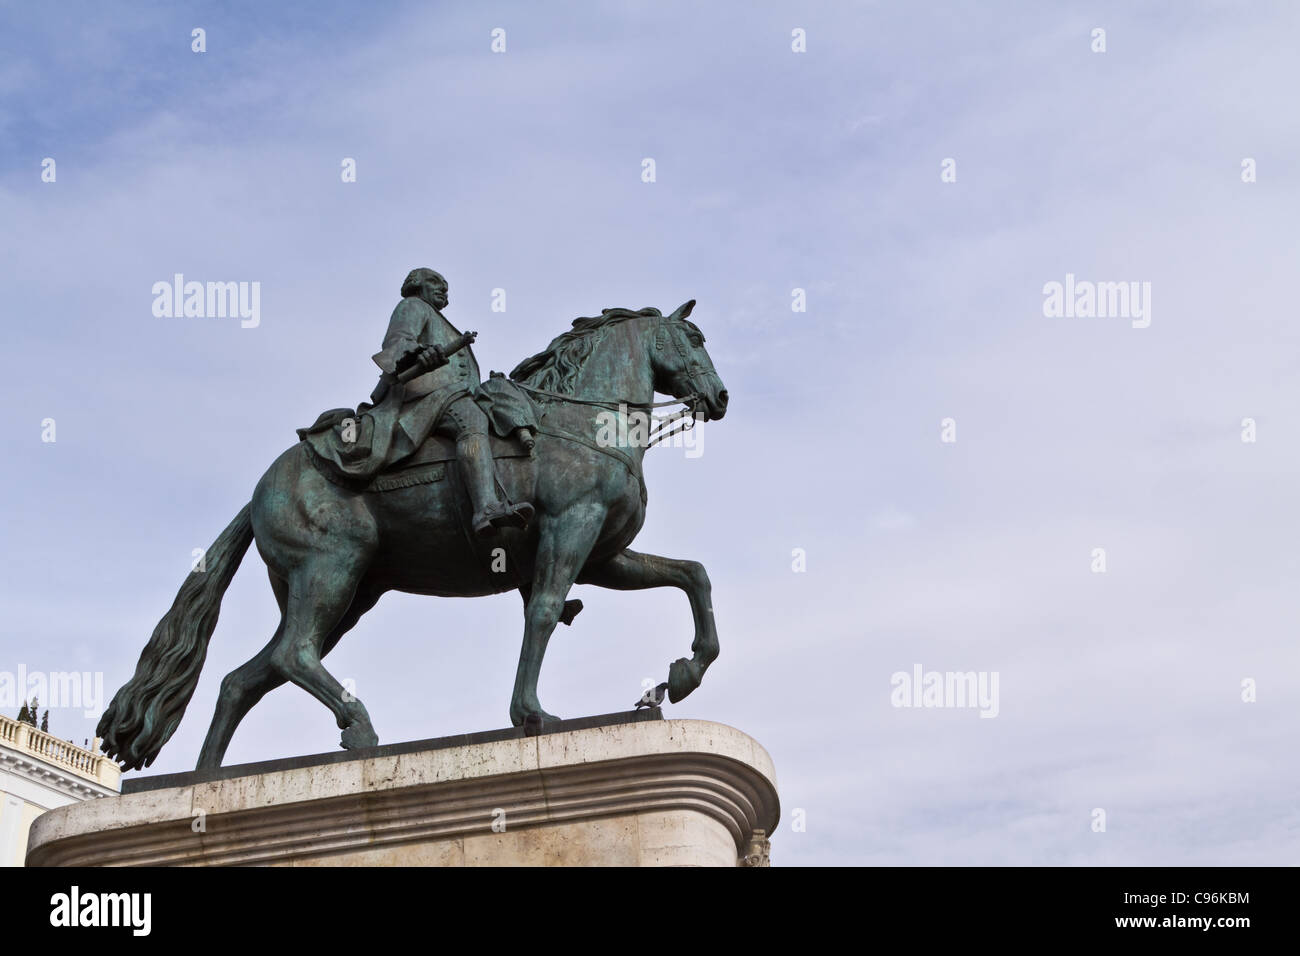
(442, 400)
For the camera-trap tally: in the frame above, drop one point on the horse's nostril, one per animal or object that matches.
(722, 396)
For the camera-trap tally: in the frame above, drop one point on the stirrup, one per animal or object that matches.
(502, 515)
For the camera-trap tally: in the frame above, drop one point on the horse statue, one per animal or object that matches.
(332, 551)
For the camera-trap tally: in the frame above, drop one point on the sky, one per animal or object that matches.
(920, 171)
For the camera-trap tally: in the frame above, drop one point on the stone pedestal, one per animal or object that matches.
(621, 790)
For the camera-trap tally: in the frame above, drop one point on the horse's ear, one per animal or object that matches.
(684, 309)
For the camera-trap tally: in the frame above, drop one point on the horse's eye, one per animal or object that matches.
(697, 341)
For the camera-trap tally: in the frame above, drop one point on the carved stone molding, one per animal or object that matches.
(758, 851)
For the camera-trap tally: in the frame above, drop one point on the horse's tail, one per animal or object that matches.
(146, 710)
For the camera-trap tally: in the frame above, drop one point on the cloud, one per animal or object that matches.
(776, 170)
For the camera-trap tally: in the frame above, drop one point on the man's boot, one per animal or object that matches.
(474, 452)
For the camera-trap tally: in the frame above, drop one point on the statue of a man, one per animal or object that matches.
(442, 399)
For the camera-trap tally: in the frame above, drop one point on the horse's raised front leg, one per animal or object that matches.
(633, 571)
(564, 543)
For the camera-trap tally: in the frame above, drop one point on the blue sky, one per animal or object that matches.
(775, 170)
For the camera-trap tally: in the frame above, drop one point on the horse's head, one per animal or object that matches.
(681, 366)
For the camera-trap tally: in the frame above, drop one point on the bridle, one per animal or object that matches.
(691, 369)
(666, 423)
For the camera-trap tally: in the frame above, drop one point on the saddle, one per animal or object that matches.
(507, 407)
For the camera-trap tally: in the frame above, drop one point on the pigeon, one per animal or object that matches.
(652, 698)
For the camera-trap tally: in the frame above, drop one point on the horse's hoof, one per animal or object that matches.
(683, 677)
(520, 714)
(359, 736)
(536, 721)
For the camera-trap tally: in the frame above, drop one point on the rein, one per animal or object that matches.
(612, 406)
(666, 423)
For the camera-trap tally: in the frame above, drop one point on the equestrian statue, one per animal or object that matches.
(445, 485)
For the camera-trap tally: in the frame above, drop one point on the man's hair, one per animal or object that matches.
(417, 279)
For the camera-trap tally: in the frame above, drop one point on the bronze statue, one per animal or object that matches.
(341, 518)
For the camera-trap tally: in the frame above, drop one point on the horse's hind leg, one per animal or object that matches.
(241, 689)
(319, 596)
(247, 684)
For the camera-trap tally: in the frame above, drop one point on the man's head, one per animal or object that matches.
(427, 285)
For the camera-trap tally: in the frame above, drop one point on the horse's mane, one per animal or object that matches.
(556, 368)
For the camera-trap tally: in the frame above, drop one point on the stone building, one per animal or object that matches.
(39, 772)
